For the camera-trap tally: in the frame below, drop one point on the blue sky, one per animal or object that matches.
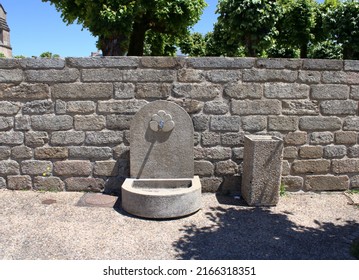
(37, 27)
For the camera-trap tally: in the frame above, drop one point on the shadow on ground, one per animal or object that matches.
(257, 233)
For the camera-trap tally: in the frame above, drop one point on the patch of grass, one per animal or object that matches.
(353, 191)
(282, 190)
(355, 248)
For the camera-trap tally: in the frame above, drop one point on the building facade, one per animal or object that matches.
(5, 46)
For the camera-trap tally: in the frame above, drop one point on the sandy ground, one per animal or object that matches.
(71, 226)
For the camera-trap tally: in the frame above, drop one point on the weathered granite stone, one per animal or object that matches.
(21, 152)
(191, 106)
(256, 107)
(329, 92)
(120, 122)
(211, 184)
(80, 107)
(52, 75)
(254, 123)
(225, 123)
(73, 168)
(282, 123)
(50, 122)
(19, 182)
(290, 152)
(62, 138)
(309, 77)
(284, 90)
(9, 108)
(354, 181)
(6, 123)
(92, 153)
(120, 106)
(22, 123)
(79, 184)
(311, 152)
(200, 122)
(244, 90)
(326, 183)
(321, 138)
(2, 183)
(351, 123)
(11, 138)
(238, 153)
(269, 75)
(38, 107)
(311, 166)
(338, 151)
(295, 138)
(60, 107)
(232, 139)
(218, 153)
(9, 167)
(210, 139)
(121, 152)
(216, 108)
(261, 170)
(339, 107)
(89, 122)
(285, 167)
(36, 167)
(227, 167)
(103, 137)
(159, 154)
(300, 107)
(51, 184)
(201, 91)
(293, 183)
(106, 168)
(203, 168)
(353, 151)
(4, 152)
(79, 91)
(36, 138)
(51, 153)
(320, 123)
(223, 76)
(24, 91)
(153, 90)
(346, 137)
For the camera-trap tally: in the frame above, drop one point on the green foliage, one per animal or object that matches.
(247, 23)
(19, 56)
(2, 55)
(121, 25)
(49, 55)
(342, 24)
(159, 44)
(193, 45)
(282, 190)
(326, 50)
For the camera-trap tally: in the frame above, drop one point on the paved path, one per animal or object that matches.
(37, 225)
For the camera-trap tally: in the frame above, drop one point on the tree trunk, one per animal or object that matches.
(112, 46)
(137, 40)
(304, 51)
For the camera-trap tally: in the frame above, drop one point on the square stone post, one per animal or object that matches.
(262, 170)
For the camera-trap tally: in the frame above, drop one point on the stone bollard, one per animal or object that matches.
(262, 170)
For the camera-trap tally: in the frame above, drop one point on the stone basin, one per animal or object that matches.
(161, 198)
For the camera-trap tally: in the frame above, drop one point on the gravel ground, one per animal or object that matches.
(66, 225)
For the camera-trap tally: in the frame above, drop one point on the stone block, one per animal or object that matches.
(21, 152)
(4, 152)
(190, 75)
(290, 152)
(244, 90)
(153, 90)
(321, 138)
(329, 92)
(2, 183)
(38, 107)
(200, 122)
(120, 122)
(340, 77)
(73, 168)
(19, 182)
(11, 76)
(351, 123)
(311, 166)
(211, 184)
(218, 153)
(354, 182)
(269, 75)
(60, 107)
(300, 107)
(124, 90)
(89, 122)
(238, 153)
(52, 123)
(9, 167)
(11, 138)
(24, 91)
(320, 123)
(256, 107)
(103, 62)
(232, 139)
(51, 184)
(79, 184)
(9, 108)
(278, 63)
(216, 108)
(92, 153)
(337, 151)
(309, 77)
(326, 183)
(261, 170)
(286, 91)
(295, 138)
(51, 153)
(52, 76)
(62, 138)
(282, 123)
(161, 62)
(353, 151)
(223, 76)
(120, 106)
(340, 166)
(80, 107)
(121, 152)
(36, 138)
(351, 65)
(254, 123)
(225, 123)
(191, 106)
(220, 62)
(322, 64)
(104, 137)
(202, 91)
(227, 167)
(292, 183)
(40, 63)
(203, 168)
(346, 137)
(339, 107)
(22, 123)
(285, 167)
(106, 168)
(6, 123)
(311, 152)
(36, 167)
(79, 91)
(210, 139)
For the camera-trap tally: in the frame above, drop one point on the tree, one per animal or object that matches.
(247, 23)
(49, 55)
(193, 45)
(342, 23)
(121, 25)
(297, 26)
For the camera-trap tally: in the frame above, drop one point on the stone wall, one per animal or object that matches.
(64, 124)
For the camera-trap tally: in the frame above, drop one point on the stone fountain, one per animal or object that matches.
(162, 183)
